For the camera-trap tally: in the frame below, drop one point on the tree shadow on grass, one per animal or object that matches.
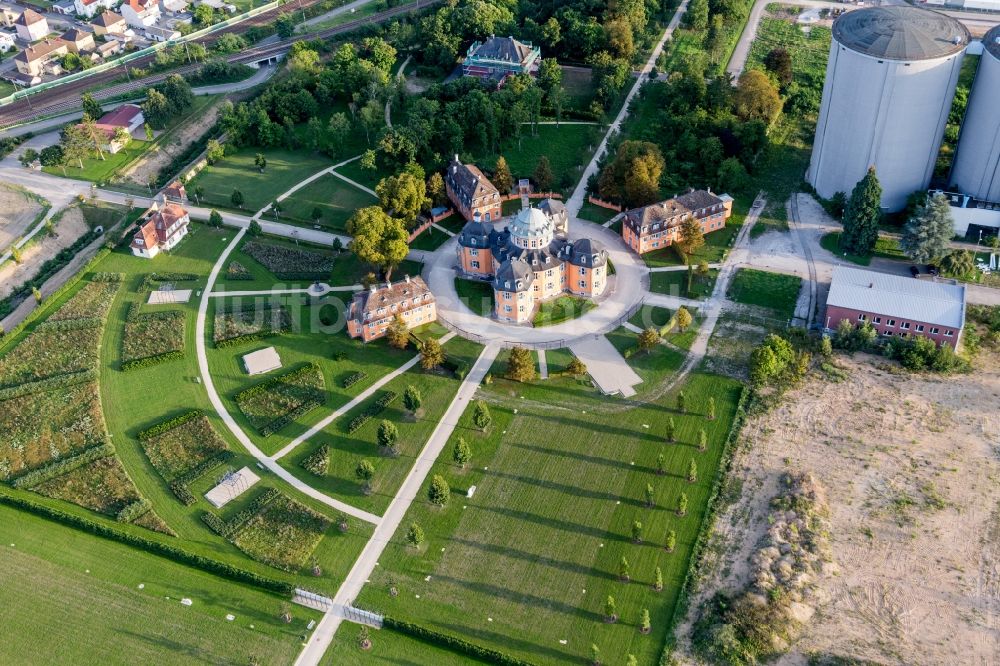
(620, 464)
(521, 598)
(638, 433)
(508, 642)
(515, 553)
(566, 489)
(555, 523)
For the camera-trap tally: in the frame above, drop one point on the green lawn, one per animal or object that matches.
(715, 249)
(651, 315)
(237, 172)
(654, 366)
(366, 177)
(775, 291)
(598, 214)
(886, 248)
(335, 199)
(675, 283)
(579, 86)
(75, 598)
(348, 449)
(568, 147)
(430, 239)
(389, 648)
(128, 409)
(524, 566)
(562, 309)
(477, 295)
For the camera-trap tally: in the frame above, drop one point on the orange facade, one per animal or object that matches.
(657, 234)
(476, 260)
(376, 328)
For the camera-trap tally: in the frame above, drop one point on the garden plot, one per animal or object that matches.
(179, 450)
(93, 300)
(49, 352)
(39, 428)
(290, 263)
(249, 321)
(102, 486)
(153, 334)
(274, 403)
(283, 534)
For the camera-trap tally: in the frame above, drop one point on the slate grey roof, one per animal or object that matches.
(586, 252)
(900, 33)
(475, 234)
(671, 210)
(992, 41)
(505, 49)
(468, 181)
(538, 259)
(513, 275)
(900, 297)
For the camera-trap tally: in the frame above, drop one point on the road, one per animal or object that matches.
(974, 21)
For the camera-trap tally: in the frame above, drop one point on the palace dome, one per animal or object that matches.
(531, 224)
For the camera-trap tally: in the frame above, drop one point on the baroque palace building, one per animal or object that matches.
(531, 260)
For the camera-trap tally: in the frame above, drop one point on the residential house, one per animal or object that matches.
(78, 41)
(42, 58)
(127, 116)
(140, 14)
(109, 23)
(658, 225)
(175, 192)
(89, 8)
(31, 26)
(372, 311)
(472, 192)
(67, 7)
(157, 34)
(897, 305)
(500, 57)
(8, 17)
(7, 42)
(531, 261)
(161, 228)
(173, 6)
(109, 49)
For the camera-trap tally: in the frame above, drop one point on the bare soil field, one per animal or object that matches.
(42, 248)
(911, 465)
(17, 211)
(154, 160)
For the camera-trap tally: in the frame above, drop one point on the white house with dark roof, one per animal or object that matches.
(31, 26)
(500, 57)
(897, 305)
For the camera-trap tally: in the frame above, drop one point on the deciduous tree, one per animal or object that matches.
(403, 197)
(415, 535)
(378, 239)
(481, 416)
(502, 177)
(387, 434)
(431, 354)
(520, 365)
(412, 399)
(365, 472)
(542, 175)
(756, 98)
(461, 454)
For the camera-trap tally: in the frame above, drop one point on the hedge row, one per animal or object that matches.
(280, 422)
(134, 511)
(302, 275)
(170, 424)
(179, 486)
(244, 339)
(273, 381)
(707, 521)
(372, 411)
(9, 336)
(63, 466)
(458, 368)
(137, 363)
(168, 551)
(70, 324)
(452, 643)
(351, 380)
(228, 528)
(153, 278)
(59, 381)
(105, 276)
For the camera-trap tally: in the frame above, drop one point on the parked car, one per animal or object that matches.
(932, 269)
(914, 271)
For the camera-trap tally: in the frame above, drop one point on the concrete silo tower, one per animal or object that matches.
(976, 171)
(889, 86)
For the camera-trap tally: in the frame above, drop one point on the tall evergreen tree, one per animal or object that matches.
(928, 233)
(862, 215)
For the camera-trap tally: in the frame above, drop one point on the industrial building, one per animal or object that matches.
(976, 171)
(889, 86)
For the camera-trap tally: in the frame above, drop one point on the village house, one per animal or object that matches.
(42, 58)
(161, 228)
(88, 8)
(175, 192)
(6, 42)
(897, 305)
(109, 48)
(109, 23)
(173, 6)
(500, 57)
(31, 26)
(157, 34)
(78, 41)
(128, 117)
(8, 17)
(472, 192)
(531, 261)
(373, 310)
(140, 14)
(658, 225)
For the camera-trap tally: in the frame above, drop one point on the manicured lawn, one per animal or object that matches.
(714, 250)
(75, 598)
(568, 148)
(775, 291)
(430, 239)
(651, 315)
(97, 170)
(525, 565)
(477, 295)
(366, 177)
(598, 214)
(562, 309)
(654, 366)
(579, 86)
(675, 283)
(336, 200)
(389, 648)
(237, 172)
(887, 248)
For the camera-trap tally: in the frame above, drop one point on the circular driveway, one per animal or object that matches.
(629, 289)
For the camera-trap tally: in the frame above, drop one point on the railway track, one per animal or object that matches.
(66, 98)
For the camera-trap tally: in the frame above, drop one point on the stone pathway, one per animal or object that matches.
(543, 367)
(672, 269)
(355, 184)
(609, 370)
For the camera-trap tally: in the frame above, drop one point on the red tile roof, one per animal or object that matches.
(29, 17)
(120, 117)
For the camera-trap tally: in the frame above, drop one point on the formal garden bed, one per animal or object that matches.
(93, 300)
(183, 450)
(274, 403)
(283, 534)
(249, 321)
(152, 337)
(289, 263)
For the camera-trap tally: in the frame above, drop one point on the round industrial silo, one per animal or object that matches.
(976, 171)
(889, 86)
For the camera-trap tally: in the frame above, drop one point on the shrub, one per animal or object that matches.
(372, 411)
(452, 643)
(133, 511)
(290, 263)
(438, 492)
(168, 425)
(317, 462)
(353, 379)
